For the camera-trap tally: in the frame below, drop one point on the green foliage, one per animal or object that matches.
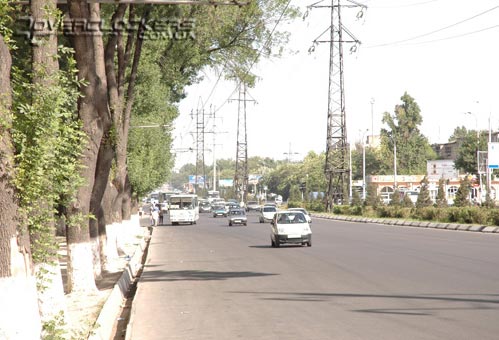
(315, 205)
(48, 140)
(396, 199)
(372, 198)
(55, 328)
(413, 148)
(424, 199)
(466, 159)
(406, 202)
(356, 199)
(462, 195)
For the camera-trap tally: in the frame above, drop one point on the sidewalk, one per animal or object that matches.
(97, 316)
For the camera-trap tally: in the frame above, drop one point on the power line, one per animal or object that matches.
(435, 31)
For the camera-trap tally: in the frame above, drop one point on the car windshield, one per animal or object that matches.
(288, 218)
(219, 207)
(269, 209)
(236, 212)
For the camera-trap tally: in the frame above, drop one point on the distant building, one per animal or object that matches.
(447, 150)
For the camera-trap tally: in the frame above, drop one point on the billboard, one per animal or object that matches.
(192, 180)
(225, 183)
(443, 168)
(493, 155)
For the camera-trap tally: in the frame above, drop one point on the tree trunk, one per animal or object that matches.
(94, 112)
(123, 126)
(51, 299)
(19, 315)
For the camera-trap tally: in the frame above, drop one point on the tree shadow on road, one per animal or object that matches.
(196, 275)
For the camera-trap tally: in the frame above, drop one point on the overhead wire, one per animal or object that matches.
(260, 51)
(434, 31)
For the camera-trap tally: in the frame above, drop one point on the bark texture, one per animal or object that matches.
(93, 110)
(17, 285)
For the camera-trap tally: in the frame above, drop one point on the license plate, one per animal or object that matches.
(294, 236)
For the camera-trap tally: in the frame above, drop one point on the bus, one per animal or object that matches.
(184, 208)
(212, 195)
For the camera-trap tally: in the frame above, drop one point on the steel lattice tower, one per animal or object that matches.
(241, 173)
(337, 165)
(200, 166)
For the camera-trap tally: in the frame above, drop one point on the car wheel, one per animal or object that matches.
(277, 244)
(272, 243)
(309, 242)
(261, 221)
(230, 224)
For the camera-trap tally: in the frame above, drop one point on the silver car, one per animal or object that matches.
(237, 216)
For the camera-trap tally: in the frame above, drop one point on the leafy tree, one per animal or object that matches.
(441, 199)
(424, 199)
(356, 199)
(372, 163)
(407, 202)
(396, 198)
(17, 288)
(372, 197)
(459, 133)
(413, 149)
(466, 159)
(463, 192)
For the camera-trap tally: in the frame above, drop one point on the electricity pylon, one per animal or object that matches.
(337, 165)
(241, 173)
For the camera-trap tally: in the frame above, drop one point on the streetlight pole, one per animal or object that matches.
(372, 120)
(394, 164)
(364, 165)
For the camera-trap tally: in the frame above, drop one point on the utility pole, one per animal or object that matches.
(289, 154)
(337, 166)
(241, 172)
(200, 166)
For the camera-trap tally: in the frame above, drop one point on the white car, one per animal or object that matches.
(290, 227)
(267, 213)
(304, 211)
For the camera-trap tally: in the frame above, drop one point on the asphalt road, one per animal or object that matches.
(357, 281)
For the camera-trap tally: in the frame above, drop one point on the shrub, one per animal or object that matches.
(355, 210)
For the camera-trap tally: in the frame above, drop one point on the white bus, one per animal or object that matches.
(184, 208)
(212, 195)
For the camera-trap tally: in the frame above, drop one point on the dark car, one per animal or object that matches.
(237, 216)
(219, 210)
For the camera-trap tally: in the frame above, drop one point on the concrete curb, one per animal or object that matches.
(112, 307)
(418, 224)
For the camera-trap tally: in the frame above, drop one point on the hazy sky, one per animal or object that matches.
(444, 53)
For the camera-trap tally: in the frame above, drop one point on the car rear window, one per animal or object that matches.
(291, 218)
(269, 209)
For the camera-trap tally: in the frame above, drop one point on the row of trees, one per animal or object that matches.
(68, 148)
(294, 180)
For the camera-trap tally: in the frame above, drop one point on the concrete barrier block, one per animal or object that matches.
(490, 229)
(463, 227)
(452, 226)
(442, 225)
(476, 228)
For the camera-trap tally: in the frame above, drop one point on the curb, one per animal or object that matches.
(103, 327)
(417, 224)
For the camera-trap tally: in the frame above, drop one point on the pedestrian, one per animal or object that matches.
(155, 217)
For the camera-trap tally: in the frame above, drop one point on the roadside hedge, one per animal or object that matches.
(461, 215)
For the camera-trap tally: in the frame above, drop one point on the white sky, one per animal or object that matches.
(452, 68)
